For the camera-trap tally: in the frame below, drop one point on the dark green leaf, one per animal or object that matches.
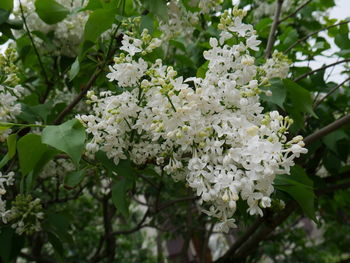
(278, 93)
(299, 186)
(72, 179)
(11, 149)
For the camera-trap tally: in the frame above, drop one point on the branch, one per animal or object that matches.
(295, 12)
(134, 229)
(273, 30)
(330, 93)
(319, 69)
(78, 98)
(328, 129)
(91, 81)
(314, 33)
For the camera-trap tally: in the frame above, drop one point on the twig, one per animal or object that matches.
(48, 83)
(77, 99)
(330, 93)
(319, 69)
(91, 82)
(314, 33)
(134, 229)
(273, 30)
(295, 12)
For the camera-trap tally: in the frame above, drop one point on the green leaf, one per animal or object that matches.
(6, 5)
(202, 70)
(331, 139)
(93, 5)
(4, 15)
(301, 102)
(68, 137)
(119, 196)
(11, 244)
(11, 149)
(99, 21)
(74, 70)
(30, 150)
(299, 186)
(278, 93)
(157, 7)
(50, 11)
(72, 179)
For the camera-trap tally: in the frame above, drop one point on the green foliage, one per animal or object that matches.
(50, 11)
(68, 137)
(300, 188)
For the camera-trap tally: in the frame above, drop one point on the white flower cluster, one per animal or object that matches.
(6, 180)
(213, 135)
(25, 214)
(10, 91)
(67, 34)
(277, 66)
(58, 167)
(182, 22)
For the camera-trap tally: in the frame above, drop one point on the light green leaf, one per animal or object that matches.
(68, 137)
(74, 69)
(50, 11)
(202, 70)
(30, 150)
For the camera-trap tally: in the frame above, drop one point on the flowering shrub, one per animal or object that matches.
(113, 112)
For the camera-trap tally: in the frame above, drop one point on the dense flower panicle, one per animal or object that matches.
(67, 34)
(213, 135)
(6, 180)
(10, 90)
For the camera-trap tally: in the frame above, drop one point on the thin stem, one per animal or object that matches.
(273, 30)
(171, 103)
(319, 69)
(330, 93)
(313, 33)
(90, 83)
(295, 12)
(33, 44)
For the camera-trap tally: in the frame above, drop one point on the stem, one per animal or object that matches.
(273, 30)
(319, 69)
(313, 33)
(33, 44)
(90, 83)
(171, 103)
(330, 93)
(295, 12)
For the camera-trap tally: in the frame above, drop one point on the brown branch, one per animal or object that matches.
(79, 97)
(91, 81)
(134, 229)
(328, 129)
(313, 33)
(330, 93)
(319, 69)
(271, 39)
(295, 12)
